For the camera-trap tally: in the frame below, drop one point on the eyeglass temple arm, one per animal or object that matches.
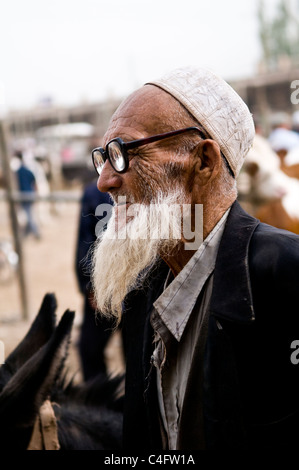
(166, 135)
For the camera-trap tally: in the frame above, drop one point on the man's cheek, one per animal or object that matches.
(148, 181)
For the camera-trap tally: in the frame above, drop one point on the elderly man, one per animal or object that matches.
(210, 327)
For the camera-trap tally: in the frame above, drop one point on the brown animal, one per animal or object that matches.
(274, 213)
(291, 170)
(269, 193)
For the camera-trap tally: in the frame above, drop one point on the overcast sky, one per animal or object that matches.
(75, 50)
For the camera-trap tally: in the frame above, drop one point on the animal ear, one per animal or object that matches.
(39, 333)
(251, 168)
(23, 395)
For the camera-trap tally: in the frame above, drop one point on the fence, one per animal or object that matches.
(12, 199)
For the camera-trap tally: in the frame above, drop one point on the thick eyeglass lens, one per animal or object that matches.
(116, 157)
(98, 161)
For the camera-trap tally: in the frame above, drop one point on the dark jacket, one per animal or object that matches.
(26, 179)
(245, 393)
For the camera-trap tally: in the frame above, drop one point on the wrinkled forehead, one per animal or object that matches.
(147, 111)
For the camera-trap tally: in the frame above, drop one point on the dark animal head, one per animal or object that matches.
(88, 415)
(28, 375)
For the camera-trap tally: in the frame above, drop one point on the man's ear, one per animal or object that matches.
(207, 161)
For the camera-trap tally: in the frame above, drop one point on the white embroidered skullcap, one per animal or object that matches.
(216, 106)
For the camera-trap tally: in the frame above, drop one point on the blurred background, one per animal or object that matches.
(65, 67)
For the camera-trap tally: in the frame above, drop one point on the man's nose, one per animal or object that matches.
(109, 179)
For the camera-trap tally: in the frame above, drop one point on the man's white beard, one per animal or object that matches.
(121, 260)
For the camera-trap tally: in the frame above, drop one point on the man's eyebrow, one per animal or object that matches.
(129, 138)
(126, 137)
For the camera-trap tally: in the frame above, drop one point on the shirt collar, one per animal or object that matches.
(177, 301)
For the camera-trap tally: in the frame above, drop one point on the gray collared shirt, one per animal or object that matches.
(184, 302)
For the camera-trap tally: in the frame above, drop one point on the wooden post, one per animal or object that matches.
(13, 216)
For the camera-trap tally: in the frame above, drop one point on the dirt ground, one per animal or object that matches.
(49, 267)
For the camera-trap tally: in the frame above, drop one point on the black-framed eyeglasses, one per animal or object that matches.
(116, 150)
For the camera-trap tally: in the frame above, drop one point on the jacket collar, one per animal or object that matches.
(231, 296)
(176, 303)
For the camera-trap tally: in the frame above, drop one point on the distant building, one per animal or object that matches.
(25, 123)
(265, 93)
(270, 92)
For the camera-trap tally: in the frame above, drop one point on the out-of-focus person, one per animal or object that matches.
(27, 186)
(95, 330)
